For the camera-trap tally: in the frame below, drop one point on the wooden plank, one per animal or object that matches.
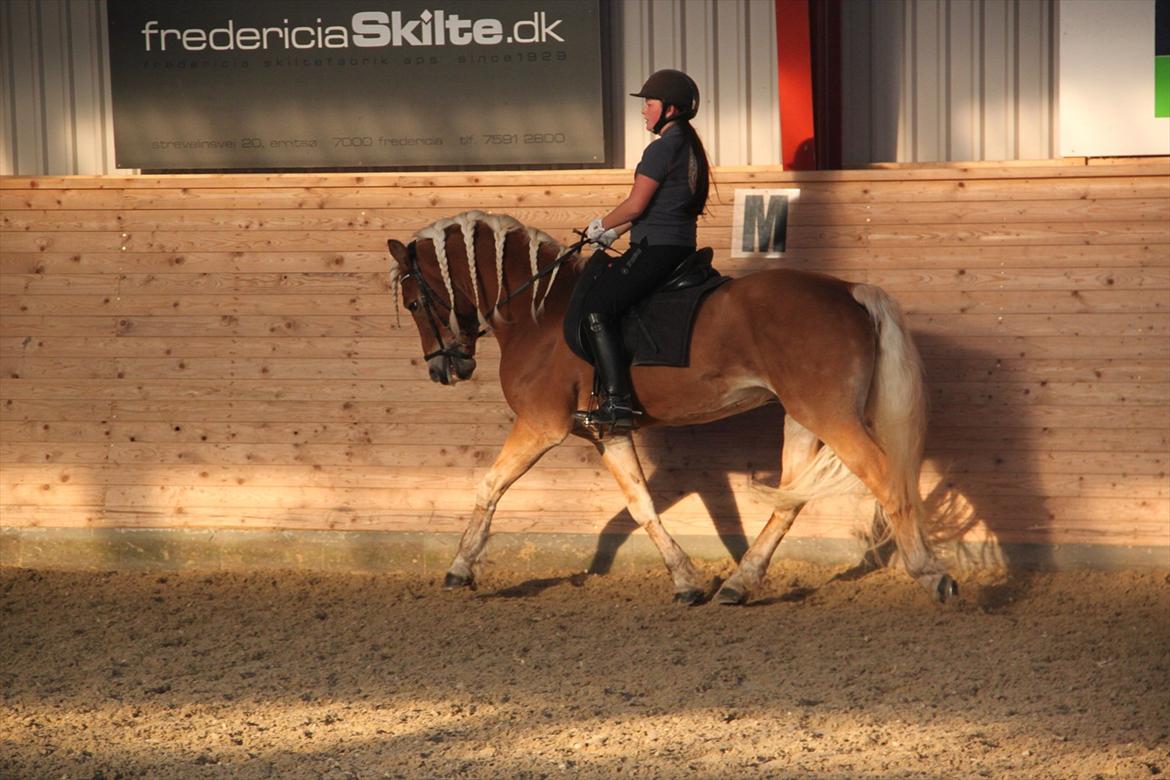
(893, 280)
(429, 201)
(398, 221)
(400, 344)
(361, 326)
(1021, 395)
(443, 406)
(1012, 470)
(742, 438)
(191, 284)
(734, 444)
(926, 327)
(404, 347)
(847, 261)
(1023, 346)
(965, 302)
(812, 523)
(393, 361)
(326, 302)
(998, 370)
(53, 452)
(946, 395)
(799, 237)
(82, 480)
(179, 500)
(478, 393)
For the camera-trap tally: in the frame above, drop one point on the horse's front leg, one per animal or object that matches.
(622, 461)
(523, 447)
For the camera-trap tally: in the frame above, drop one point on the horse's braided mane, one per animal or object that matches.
(500, 225)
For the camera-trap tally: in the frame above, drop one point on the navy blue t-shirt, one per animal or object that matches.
(666, 219)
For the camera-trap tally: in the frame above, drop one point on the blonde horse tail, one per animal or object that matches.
(896, 409)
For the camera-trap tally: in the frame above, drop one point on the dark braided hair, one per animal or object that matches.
(698, 169)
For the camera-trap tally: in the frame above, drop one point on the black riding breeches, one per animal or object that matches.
(610, 285)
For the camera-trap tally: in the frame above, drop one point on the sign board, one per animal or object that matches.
(759, 225)
(1108, 77)
(226, 84)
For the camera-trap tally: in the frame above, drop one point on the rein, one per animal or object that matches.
(554, 265)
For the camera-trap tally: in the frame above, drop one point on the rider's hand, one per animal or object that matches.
(599, 235)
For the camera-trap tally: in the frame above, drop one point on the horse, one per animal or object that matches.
(836, 355)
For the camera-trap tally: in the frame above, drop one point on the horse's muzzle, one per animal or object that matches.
(447, 370)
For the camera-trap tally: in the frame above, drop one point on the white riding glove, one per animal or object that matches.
(599, 235)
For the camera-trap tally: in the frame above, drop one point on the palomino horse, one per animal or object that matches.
(836, 355)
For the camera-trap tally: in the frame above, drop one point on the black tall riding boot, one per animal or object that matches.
(615, 413)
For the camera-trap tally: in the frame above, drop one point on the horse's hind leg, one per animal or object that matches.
(800, 446)
(523, 447)
(622, 461)
(861, 454)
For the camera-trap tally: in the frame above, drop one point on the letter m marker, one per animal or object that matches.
(760, 225)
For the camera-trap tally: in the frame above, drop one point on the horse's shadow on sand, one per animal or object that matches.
(980, 483)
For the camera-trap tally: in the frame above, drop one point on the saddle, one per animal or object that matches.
(656, 331)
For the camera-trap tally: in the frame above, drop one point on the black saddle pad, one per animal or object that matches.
(657, 331)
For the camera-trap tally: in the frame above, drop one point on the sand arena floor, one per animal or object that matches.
(290, 675)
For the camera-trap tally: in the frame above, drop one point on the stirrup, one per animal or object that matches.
(609, 417)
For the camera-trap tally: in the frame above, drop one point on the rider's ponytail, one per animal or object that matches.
(698, 169)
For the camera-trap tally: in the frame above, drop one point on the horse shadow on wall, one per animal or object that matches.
(980, 477)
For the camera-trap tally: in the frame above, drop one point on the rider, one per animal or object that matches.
(663, 207)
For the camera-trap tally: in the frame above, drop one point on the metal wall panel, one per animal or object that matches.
(55, 103)
(933, 80)
(728, 47)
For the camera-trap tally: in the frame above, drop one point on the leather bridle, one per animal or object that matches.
(430, 299)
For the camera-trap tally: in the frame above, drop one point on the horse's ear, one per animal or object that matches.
(397, 249)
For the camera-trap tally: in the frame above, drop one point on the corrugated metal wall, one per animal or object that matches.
(929, 80)
(728, 47)
(922, 80)
(54, 88)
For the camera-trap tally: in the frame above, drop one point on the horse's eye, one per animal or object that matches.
(413, 305)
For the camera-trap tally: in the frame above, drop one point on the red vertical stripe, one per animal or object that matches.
(794, 62)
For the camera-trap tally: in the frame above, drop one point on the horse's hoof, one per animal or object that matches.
(730, 597)
(947, 588)
(690, 597)
(455, 581)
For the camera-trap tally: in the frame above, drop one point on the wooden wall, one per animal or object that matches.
(222, 351)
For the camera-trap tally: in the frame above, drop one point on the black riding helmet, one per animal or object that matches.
(673, 88)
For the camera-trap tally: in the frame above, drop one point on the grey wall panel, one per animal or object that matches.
(728, 47)
(947, 80)
(55, 101)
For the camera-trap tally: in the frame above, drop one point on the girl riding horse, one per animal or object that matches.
(662, 211)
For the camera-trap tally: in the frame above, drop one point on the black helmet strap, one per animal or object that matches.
(663, 119)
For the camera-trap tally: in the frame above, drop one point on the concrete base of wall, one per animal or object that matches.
(369, 551)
